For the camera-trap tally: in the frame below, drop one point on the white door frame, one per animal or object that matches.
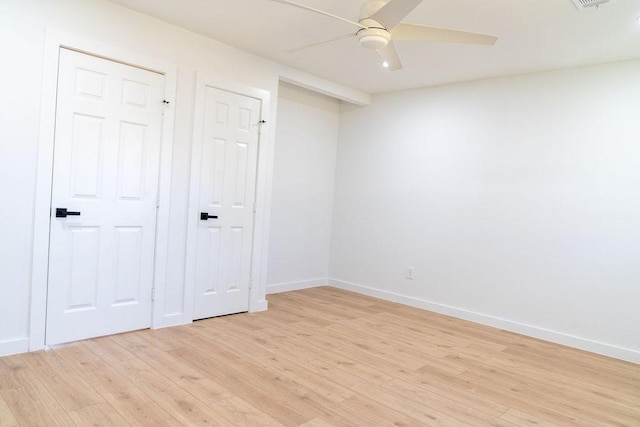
(54, 41)
(257, 292)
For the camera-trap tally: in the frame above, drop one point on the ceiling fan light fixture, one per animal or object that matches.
(373, 42)
(374, 38)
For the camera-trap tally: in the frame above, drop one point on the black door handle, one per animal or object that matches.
(205, 216)
(63, 213)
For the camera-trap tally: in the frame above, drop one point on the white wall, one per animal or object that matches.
(19, 117)
(22, 38)
(302, 190)
(516, 200)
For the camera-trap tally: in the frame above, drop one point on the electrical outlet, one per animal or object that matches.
(410, 273)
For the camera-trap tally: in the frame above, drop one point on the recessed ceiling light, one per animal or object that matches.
(385, 64)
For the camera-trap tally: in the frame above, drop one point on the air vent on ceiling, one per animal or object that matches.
(587, 4)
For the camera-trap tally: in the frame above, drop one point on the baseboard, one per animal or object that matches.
(261, 305)
(171, 320)
(508, 325)
(15, 346)
(296, 286)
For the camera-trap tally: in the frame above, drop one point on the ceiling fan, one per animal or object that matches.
(379, 25)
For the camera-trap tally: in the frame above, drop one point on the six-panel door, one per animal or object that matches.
(106, 161)
(227, 191)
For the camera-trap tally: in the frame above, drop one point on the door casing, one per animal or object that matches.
(54, 41)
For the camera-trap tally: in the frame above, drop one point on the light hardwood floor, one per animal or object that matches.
(319, 357)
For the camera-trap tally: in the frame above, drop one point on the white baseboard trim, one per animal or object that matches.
(296, 286)
(261, 305)
(171, 320)
(15, 346)
(508, 325)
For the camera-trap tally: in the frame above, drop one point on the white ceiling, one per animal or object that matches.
(534, 35)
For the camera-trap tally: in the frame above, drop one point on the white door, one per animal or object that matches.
(105, 174)
(229, 150)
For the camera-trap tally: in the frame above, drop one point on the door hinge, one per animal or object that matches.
(260, 123)
(165, 104)
(254, 208)
(157, 201)
(153, 294)
(250, 283)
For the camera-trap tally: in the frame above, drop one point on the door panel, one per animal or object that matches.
(227, 190)
(106, 164)
(82, 253)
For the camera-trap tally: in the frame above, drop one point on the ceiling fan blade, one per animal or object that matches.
(435, 34)
(322, 12)
(297, 49)
(389, 54)
(393, 12)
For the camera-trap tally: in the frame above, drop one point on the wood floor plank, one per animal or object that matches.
(35, 406)
(505, 391)
(346, 373)
(101, 414)
(376, 414)
(620, 376)
(343, 298)
(131, 403)
(11, 370)
(339, 312)
(300, 314)
(421, 329)
(326, 312)
(317, 422)
(170, 396)
(319, 357)
(307, 349)
(373, 327)
(241, 385)
(288, 367)
(424, 414)
(201, 386)
(6, 416)
(609, 393)
(371, 343)
(348, 363)
(165, 338)
(243, 414)
(457, 328)
(27, 398)
(553, 395)
(109, 350)
(297, 397)
(444, 388)
(520, 418)
(575, 360)
(69, 389)
(461, 409)
(129, 343)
